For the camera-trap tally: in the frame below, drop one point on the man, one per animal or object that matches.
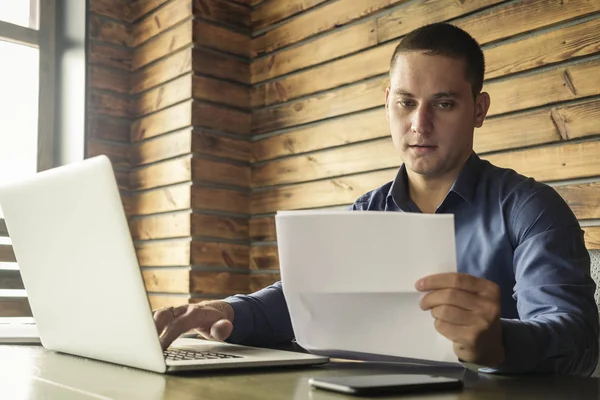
(523, 300)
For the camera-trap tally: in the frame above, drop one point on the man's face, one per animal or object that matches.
(432, 113)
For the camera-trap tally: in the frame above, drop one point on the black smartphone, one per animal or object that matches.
(368, 385)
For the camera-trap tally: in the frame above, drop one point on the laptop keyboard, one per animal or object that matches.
(181, 355)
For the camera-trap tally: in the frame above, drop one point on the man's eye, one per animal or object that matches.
(445, 104)
(406, 103)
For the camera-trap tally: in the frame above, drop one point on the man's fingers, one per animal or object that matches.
(451, 297)
(454, 280)
(454, 315)
(221, 329)
(164, 316)
(198, 317)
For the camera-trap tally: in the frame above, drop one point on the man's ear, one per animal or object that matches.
(482, 105)
(387, 96)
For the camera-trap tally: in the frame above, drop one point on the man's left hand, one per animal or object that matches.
(466, 311)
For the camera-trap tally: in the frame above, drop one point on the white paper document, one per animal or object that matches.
(348, 278)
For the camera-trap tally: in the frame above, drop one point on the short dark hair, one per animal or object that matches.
(446, 40)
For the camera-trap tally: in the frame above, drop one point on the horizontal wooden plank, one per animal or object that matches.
(204, 282)
(116, 9)
(165, 43)
(139, 8)
(211, 199)
(208, 115)
(172, 198)
(260, 281)
(3, 229)
(161, 226)
(14, 307)
(6, 253)
(357, 97)
(122, 178)
(220, 172)
(109, 31)
(547, 48)
(110, 55)
(107, 103)
(496, 133)
(320, 50)
(264, 257)
(219, 65)
(163, 147)
(219, 226)
(592, 237)
(164, 254)
(263, 229)
(222, 92)
(10, 279)
(168, 120)
(207, 143)
(324, 193)
(158, 301)
(318, 21)
(275, 11)
(118, 153)
(160, 20)
(176, 64)
(223, 12)
(162, 174)
(221, 39)
(163, 96)
(171, 280)
(224, 255)
(107, 128)
(583, 199)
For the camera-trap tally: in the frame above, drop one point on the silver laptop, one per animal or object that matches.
(79, 267)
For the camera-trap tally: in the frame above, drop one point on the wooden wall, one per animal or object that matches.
(319, 75)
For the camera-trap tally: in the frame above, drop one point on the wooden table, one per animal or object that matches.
(31, 372)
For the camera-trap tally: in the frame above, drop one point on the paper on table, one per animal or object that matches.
(348, 278)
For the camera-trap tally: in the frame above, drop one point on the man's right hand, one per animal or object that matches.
(214, 320)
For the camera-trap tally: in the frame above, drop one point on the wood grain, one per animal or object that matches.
(219, 65)
(592, 237)
(260, 281)
(583, 199)
(139, 8)
(223, 12)
(160, 20)
(163, 96)
(320, 50)
(158, 301)
(317, 21)
(218, 226)
(163, 226)
(221, 39)
(172, 253)
(14, 307)
(204, 282)
(211, 199)
(118, 153)
(170, 280)
(263, 229)
(225, 255)
(6, 253)
(165, 43)
(116, 9)
(172, 198)
(275, 11)
(222, 92)
(264, 257)
(122, 178)
(163, 147)
(165, 173)
(110, 55)
(107, 128)
(107, 103)
(208, 115)
(168, 120)
(3, 229)
(109, 31)
(176, 64)
(10, 280)
(219, 172)
(208, 143)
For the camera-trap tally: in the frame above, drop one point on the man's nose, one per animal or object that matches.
(422, 122)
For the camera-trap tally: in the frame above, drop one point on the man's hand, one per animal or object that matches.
(214, 320)
(466, 311)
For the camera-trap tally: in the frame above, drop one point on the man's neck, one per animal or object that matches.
(428, 192)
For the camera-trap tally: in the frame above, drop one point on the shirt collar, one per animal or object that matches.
(464, 185)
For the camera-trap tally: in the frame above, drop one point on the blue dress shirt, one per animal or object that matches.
(511, 230)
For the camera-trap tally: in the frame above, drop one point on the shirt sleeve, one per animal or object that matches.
(557, 329)
(261, 318)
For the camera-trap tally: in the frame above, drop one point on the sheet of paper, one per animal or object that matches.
(348, 278)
